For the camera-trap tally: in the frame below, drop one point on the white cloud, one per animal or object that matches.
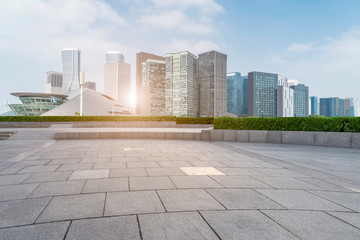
(299, 47)
(194, 47)
(276, 60)
(206, 6)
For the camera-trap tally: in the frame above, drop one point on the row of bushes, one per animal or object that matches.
(179, 120)
(318, 124)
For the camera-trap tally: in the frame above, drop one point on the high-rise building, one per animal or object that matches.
(181, 85)
(117, 82)
(262, 94)
(314, 105)
(335, 107)
(113, 57)
(301, 100)
(237, 94)
(141, 57)
(352, 106)
(285, 101)
(90, 85)
(153, 88)
(71, 69)
(54, 82)
(212, 82)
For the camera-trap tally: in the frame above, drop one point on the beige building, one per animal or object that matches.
(181, 85)
(213, 84)
(117, 82)
(54, 82)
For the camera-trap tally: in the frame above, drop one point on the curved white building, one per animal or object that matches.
(71, 69)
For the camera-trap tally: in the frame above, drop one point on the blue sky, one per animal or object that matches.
(316, 42)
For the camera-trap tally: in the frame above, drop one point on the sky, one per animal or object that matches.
(316, 42)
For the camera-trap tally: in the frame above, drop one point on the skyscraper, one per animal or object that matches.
(182, 87)
(71, 69)
(54, 82)
(212, 82)
(153, 88)
(90, 85)
(237, 94)
(263, 93)
(117, 81)
(141, 57)
(301, 100)
(285, 101)
(114, 57)
(335, 107)
(314, 105)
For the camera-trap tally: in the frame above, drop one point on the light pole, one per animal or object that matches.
(81, 91)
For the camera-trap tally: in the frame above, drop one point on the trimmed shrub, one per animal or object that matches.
(194, 120)
(316, 124)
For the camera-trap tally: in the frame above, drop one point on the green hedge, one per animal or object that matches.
(318, 124)
(179, 120)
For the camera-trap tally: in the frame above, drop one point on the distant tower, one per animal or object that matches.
(54, 82)
(314, 105)
(90, 85)
(117, 78)
(71, 69)
(301, 100)
(182, 86)
(237, 94)
(212, 81)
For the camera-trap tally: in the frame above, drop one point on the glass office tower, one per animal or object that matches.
(335, 107)
(71, 69)
(301, 100)
(114, 57)
(237, 94)
(314, 105)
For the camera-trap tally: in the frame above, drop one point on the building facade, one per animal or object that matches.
(117, 82)
(335, 107)
(212, 83)
(237, 94)
(301, 100)
(285, 102)
(262, 93)
(141, 57)
(181, 85)
(314, 105)
(114, 57)
(152, 90)
(71, 69)
(54, 82)
(90, 85)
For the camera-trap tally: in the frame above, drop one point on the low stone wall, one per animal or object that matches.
(327, 139)
(132, 124)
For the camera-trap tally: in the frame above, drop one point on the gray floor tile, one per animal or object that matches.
(95, 160)
(45, 231)
(194, 182)
(300, 199)
(188, 200)
(13, 179)
(125, 227)
(122, 203)
(245, 224)
(141, 164)
(286, 183)
(348, 200)
(77, 166)
(109, 165)
(175, 164)
(11, 192)
(89, 174)
(74, 207)
(48, 177)
(150, 183)
(58, 188)
(185, 225)
(314, 225)
(243, 199)
(65, 161)
(240, 171)
(280, 172)
(106, 185)
(324, 185)
(34, 169)
(350, 218)
(21, 212)
(163, 171)
(129, 172)
(239, 182)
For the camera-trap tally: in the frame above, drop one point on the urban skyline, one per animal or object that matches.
(250, 39)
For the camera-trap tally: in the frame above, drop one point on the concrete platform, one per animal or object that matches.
(137, 189)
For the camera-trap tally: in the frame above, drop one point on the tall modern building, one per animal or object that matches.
(117, 81)
(314, 105)
(153, 88)
(181, 85)
(90, 85)
(335, 107)
(141, 57)
(237, 94)
(114, 57)
(285, 101)
(54, 82)
(301, 100)
(212, 82)
(71, 69)
(262, 95)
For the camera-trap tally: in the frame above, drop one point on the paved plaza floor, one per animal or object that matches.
(168, 189)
